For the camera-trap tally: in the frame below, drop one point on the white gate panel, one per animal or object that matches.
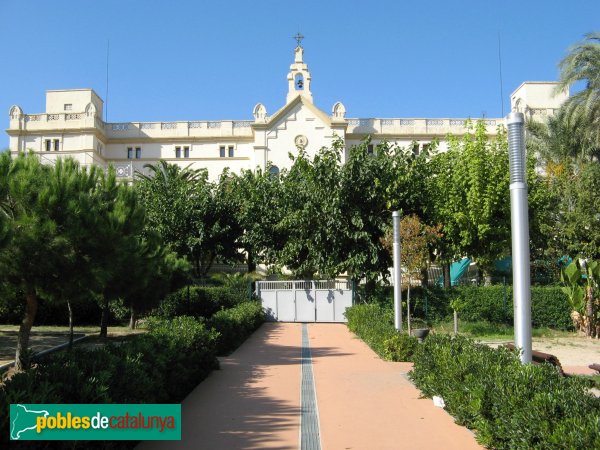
(343, 300)
(306, 300)
(325, 306)
(305, 306)
(286, 310)
(269, 303)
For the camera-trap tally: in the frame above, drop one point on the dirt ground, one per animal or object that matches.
(574, 353)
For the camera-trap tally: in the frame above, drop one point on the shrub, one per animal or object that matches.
(375, 325)
(200, 301)
(236, 324)
(161, 366)
(400, 347)
(494, 304)
(510, 405)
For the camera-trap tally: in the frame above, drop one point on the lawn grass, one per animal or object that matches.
(487, 331)
(84, 329)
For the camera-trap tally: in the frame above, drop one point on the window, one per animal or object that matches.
(186, 152)
(426, 148)
(48, 145)
(56, 145)
(177, 152)
(370, 149)
(415, 149)
(138, 152)
(230, 152)
(222, 151)
(68, 106)
(129, 152)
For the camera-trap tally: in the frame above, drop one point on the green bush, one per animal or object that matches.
(494, 304)
(549, 305)
(161, 366)
(400, 347)
(236, 324)
(508, 404)
(200, 301)
(375, 325)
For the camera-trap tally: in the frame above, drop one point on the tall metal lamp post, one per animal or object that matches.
(519, 219)
(397, 273)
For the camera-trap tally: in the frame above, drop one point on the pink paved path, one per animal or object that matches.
(253, 402)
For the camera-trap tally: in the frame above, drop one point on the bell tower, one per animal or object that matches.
(299, 76)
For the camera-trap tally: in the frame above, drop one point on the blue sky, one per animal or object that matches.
(197, 60)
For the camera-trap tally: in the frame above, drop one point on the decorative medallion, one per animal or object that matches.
(301, 141)
(122, 170)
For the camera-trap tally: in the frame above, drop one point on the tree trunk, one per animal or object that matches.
(455, 322)
(447, 280)
(104, 320)
(22, 354)
(70, 325)
(369, 289)
(132, 318)
(251, 263)
(424, 277)
(591, 326)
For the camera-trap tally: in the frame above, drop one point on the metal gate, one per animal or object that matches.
(305, 301)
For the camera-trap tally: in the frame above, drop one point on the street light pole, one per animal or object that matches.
(397, 273)
(519, 220)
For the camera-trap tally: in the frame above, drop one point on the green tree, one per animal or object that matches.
(310, 218)
(571, 225)
(582, 64)
(122, 243)
(38, 245)
(73, 275)
(194, 217)
(258, 200)
(366, 180)
(416, 238)
(470, 189)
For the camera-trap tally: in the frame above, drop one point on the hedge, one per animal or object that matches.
(508, 404)
(236, 324)
(200, 301)
(161, 366)
(375, 325)
(550, 307)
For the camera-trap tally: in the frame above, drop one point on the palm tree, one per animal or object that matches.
(558, 142)
(167, 172)
(582, 110)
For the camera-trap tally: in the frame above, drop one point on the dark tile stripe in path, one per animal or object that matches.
(309, 419)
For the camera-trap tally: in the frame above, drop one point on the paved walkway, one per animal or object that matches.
(362, 402)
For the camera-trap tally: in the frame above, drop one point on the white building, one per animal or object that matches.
(72, 126)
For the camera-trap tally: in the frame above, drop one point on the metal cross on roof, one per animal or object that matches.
(298, 38)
